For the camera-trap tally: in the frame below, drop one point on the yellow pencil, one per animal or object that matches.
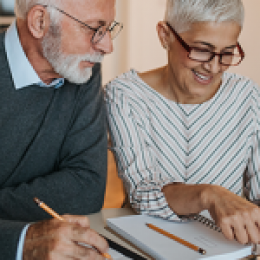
(57, 216)
(177, 239)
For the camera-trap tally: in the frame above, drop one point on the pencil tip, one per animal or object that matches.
(36, 200)
(202, 251)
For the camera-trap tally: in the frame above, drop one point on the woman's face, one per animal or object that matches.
(196, 82)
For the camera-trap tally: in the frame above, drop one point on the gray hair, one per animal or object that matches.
(182, 13)
(22, 7)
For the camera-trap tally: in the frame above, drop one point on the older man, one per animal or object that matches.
(53, 134)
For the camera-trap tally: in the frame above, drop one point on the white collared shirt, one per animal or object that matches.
(23, 73)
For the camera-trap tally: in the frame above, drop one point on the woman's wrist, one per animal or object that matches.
(208, 195)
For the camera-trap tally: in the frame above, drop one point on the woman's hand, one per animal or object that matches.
(238, 218)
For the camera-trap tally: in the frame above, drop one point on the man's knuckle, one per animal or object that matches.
(92, 236)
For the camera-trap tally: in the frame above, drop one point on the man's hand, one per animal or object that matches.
(55, 240)
(238, 218)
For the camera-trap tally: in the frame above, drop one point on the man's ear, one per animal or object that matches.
(164, 35)
(38, 21)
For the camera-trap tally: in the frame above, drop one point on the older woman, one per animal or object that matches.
(186, 135)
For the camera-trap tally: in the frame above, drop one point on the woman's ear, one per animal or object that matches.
(38, 21)
(164, 34)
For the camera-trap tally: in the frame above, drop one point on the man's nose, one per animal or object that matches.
(105, 45)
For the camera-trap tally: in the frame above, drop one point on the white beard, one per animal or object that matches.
(67, 65)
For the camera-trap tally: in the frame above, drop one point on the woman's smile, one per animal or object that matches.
(202, 78)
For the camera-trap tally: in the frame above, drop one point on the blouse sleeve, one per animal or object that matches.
(137, 166)
(252, 189)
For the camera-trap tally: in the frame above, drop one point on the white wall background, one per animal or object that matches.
(138, 46)
(250, 40)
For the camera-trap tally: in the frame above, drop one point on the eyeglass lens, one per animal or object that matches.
(232, 58)
(114, 30)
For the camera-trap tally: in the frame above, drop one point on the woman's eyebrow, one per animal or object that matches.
(213, 47)
(231, 47)
(204, 43)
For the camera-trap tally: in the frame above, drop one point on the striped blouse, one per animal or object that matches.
(157, 141)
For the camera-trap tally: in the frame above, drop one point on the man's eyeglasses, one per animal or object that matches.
(99, 32)
(228, 58)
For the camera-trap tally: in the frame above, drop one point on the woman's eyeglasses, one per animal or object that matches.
(228, 58)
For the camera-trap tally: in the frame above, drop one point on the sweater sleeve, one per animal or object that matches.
(136, 160)
(77, 183)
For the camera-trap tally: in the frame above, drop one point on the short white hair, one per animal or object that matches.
(181, 14)
(22, 7)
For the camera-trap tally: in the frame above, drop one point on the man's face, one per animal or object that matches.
(67, 45)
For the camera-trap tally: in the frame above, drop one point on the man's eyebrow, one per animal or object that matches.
(102, 23)
(97, 22)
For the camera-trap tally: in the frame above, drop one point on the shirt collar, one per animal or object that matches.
(23, 73)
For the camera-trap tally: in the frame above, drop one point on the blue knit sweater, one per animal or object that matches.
(53, 146)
